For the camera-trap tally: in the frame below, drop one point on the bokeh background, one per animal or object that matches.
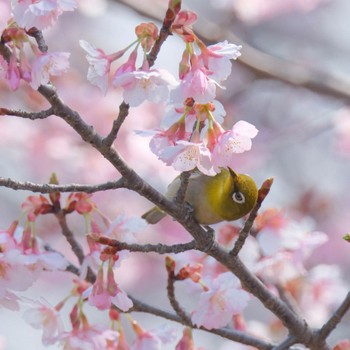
(292, 81)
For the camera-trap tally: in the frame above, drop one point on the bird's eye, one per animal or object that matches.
(238, 197)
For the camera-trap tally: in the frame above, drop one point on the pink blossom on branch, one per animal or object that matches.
(152, 339)
(105, 292)
(100, 64)
(236, 140)
(197, 84)
(185, 156)
(217, 58)
(140, 85)
(44, 316)
(217, 304)
(94, 337)
(41, 14)
(46, 65)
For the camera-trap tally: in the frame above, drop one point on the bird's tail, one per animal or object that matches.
(154, 215)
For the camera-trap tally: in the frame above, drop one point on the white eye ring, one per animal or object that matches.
(238, 197)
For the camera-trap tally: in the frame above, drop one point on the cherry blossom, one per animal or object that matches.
(43, 316)
(322, 289)
(197, 84)
(90, 337)
(153, 339)
(236, 140)
(140, 85)
(35, 206)
(103, 293)
(186, 156)
(217, 58)
(81, 202)
(9, 301)
(344, 344)
(48, 64)
(186, 342)
(222, 299)
(99, 64)
(40, 13)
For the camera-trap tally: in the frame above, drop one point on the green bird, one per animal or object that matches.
(226, 196)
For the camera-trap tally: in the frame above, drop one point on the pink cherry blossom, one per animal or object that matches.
(43, 316)
(217, 58)
(196, 84)
(99, 65)
(279, 268)
(343, 344)
(103, 293)
(222, 299)
(152, 339)
(40, 13)
(15, 272)
(186, 342)
(236, 140)
(123, 228)
(140, 85)
(81, 202)
(9, 301)
(48, 64)
(187, 155)
(296, 237)
(323, 289)
(35, 206)
(90, 337)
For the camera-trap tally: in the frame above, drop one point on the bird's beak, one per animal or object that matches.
(233, 173)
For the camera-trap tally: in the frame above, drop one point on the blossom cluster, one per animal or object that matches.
(22, 258)
(279, 254)
(24, 60)
(220, 296)
(193, 137)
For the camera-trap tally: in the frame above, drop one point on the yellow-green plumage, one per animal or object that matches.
(225, 196)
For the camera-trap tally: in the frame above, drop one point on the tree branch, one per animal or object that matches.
(223, 332)
(243, 234)
(77, 249)
(291, 340)
(147, 248)
(51, 188)
(39, 38)
(111, 137)
(27, 115)
(332, 323)
(173, 301)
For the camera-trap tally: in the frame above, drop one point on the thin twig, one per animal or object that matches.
(27, 115)
(223, 332)
(148, 248)
(51, 188)
(243, 234)
(123, 113)
(39, 38)
(173, 301)
(332, 323)
(77, 249)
